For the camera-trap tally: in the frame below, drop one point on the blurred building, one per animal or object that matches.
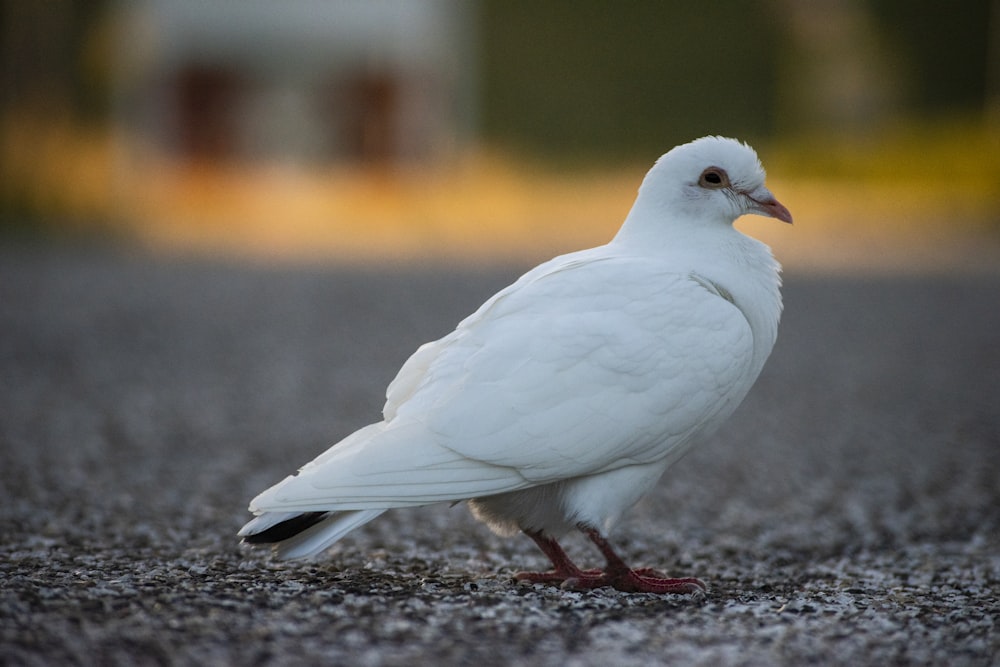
(307, 81)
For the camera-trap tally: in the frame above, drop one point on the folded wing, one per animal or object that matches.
(578, 368)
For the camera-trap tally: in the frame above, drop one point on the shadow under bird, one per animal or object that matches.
(561, 401)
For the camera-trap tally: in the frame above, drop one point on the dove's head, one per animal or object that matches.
(711, 178)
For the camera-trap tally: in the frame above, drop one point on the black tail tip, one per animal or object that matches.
(280, 532)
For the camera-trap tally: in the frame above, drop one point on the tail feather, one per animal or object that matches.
(300, 535)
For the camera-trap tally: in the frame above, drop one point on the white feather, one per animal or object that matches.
(320, 537)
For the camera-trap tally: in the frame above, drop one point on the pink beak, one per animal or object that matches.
(765, 204)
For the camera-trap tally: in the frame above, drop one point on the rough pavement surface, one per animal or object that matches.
(848, 514)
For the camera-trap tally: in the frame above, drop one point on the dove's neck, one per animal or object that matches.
(740, 268)
(658, 223)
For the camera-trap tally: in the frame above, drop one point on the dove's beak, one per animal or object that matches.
(764, 203)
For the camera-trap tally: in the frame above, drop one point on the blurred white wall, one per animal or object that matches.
(381, 81)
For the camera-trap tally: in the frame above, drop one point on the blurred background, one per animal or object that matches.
(394, 131)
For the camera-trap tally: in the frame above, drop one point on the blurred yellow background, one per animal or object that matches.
(439, 130)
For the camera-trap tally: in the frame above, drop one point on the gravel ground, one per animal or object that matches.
(848, 514)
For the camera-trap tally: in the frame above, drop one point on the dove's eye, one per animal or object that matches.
(713, 178)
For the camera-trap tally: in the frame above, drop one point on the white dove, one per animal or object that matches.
(561, 401)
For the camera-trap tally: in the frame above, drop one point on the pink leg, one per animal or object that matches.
(643, 580)
(564, 568)
(617, 574)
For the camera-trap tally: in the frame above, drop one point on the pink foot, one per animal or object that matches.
(558, 577)
(632, 581)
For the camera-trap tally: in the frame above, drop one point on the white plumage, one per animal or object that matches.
(563, 399)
